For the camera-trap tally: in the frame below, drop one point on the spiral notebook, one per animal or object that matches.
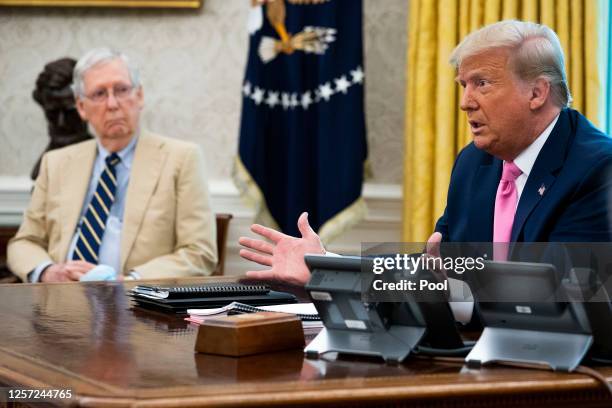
(305, 311)
(190, 291)
(311, 321)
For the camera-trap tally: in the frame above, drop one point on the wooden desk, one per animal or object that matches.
(87, 338)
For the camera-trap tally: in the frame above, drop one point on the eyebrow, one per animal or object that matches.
(477, 73)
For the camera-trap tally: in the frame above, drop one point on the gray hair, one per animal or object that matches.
(99, 56)
(536, 52)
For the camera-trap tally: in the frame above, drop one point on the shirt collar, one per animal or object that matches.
(526, 159)
(126, 154)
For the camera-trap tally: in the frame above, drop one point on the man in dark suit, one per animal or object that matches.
(516, 97)
(563, 200)
(535, 171)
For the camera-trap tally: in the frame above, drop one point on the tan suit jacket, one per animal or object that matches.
(168, 227)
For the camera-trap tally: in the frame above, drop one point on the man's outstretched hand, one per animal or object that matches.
(284, 254)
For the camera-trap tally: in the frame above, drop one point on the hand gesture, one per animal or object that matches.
(66, 272)
(284, 255)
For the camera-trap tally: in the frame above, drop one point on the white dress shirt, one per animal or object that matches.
(527, 158)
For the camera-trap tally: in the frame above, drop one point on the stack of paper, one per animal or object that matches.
(305, 311)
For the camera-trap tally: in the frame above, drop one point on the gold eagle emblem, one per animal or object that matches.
(313, 40)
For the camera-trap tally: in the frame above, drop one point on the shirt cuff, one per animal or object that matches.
(133, 275)
(461, 300)
(34, 276)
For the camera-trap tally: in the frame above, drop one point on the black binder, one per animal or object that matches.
(180, 298)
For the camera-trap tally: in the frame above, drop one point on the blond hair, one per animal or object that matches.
(535, 52)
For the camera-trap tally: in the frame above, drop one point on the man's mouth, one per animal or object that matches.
(113, 122)
(476, 126)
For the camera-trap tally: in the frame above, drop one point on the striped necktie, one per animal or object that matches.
(93, 223)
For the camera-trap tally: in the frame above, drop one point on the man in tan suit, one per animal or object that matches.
(129, 204)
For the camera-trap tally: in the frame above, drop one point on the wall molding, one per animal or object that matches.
(382, 223)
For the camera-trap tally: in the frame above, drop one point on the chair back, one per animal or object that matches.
(223, 221)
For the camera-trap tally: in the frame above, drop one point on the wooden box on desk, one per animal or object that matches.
(252, 333)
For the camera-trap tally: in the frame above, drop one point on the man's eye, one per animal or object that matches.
(121, 90)
(99, 94)
(482, 82)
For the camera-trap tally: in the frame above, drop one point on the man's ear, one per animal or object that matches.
(81, 109)
(140, 97)
(540, 92)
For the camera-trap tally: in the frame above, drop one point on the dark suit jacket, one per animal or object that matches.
(571, 171)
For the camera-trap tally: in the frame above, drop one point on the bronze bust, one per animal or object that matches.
(54, 95)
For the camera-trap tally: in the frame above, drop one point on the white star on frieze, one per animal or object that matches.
(258, 95)
(273, 99)
(306, 100)
(357, 75)
(286, 101)
(246, 89)
(294, 101)
(342, 84)
(326, 91)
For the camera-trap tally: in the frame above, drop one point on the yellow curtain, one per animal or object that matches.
(436, 130)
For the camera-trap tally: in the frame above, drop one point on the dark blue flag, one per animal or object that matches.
(302, 133)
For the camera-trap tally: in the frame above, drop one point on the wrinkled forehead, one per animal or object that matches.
(107, 73)
(495, 61)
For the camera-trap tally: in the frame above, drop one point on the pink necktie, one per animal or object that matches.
(505, 207)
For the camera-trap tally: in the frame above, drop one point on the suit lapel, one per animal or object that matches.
(543, 174)
(144, 175)
(75, 175)
(484, 189)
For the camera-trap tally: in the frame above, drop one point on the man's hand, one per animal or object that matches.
(433, 245)
(432, 249)
(66, 272)
(285, 255)
(100, 272)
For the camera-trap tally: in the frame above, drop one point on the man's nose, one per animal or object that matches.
(467, 100)
(111, 101)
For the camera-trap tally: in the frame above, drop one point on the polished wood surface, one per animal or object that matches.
(87, 337)
(248, 334)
